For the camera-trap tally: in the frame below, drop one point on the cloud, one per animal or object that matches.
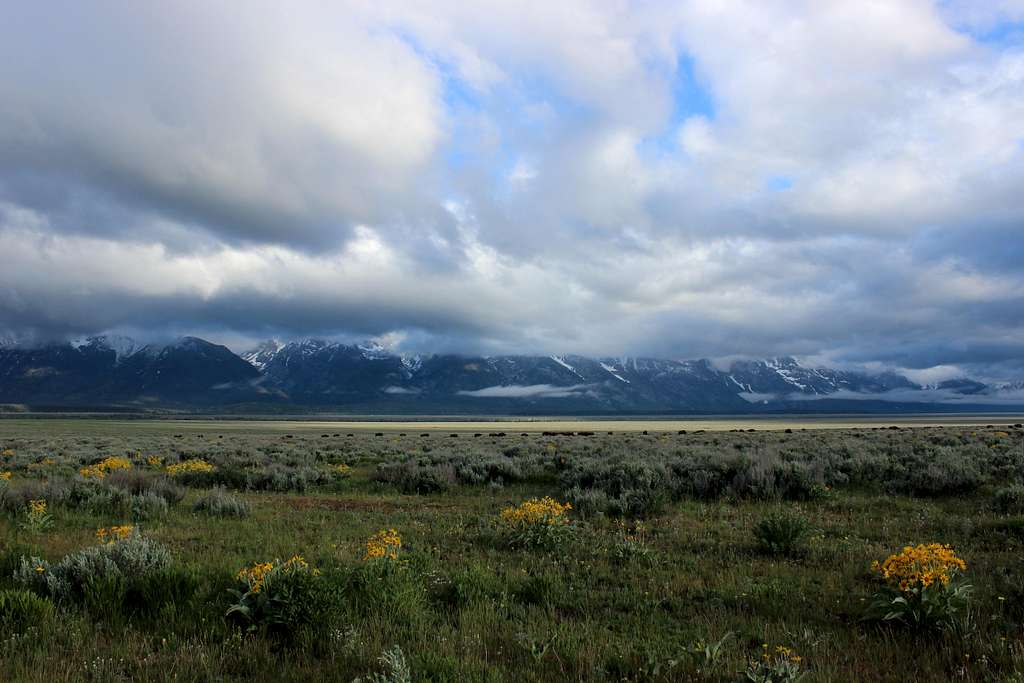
(268, 125)
(400, 390)
(833, 180)
(1011, 397)
(527, 391)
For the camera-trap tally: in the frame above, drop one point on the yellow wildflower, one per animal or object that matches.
(100, 469)
(5, 476)
(114, 533)
(255, 577)
(920, 566)
(386, 543)
(192, 465)
(536, 511)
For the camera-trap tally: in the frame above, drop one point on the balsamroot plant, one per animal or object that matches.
(537, 523)
(386, 544)
(775, 665)
(278, 597)
(923, 587)
(36, 517)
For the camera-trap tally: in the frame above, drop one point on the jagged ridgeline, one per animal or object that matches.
(315, 374)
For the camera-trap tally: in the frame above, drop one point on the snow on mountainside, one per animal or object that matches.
(122, 346)
(787, 376)
(117, 370)
(370, 376)
(373, 350)
(262, 354)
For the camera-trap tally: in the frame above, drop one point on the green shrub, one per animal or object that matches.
(588, 502)
(15, 497)
(102, 596)
(630, 489)
(631, 546)
(470, 586)
(394, 669)
(412, 477)
(1009, 499)
(771, 480)
(22, 609)
(219, 503)
(539, 587)
(388, 590)
(138, 483)
(782, 533)
(99, 566)
(935, 471)
(278, 477)
(150, 594)
(148, 506)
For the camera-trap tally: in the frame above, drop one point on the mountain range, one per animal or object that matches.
(314, 375)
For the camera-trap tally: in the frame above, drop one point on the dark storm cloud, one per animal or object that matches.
(496, 178)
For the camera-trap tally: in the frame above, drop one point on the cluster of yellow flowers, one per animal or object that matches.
(256, 575)
(37, 508)
(780, 654)
(635, 532)
(155, 461)
(114, 533)
(386, 543)
(45, 462)
(920, 566)
(100, 469)
(193, 465)
(5, 476)
(341, 469)
(7, 452)
(536, 511)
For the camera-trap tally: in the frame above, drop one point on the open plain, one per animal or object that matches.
(239, 550)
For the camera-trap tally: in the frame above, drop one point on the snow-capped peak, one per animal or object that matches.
(122, 346)
(374, 350)
(262, 354)
(412, 363)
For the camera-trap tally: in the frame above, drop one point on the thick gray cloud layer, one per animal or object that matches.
(833, 180)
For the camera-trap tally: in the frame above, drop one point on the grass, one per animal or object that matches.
(467, 606)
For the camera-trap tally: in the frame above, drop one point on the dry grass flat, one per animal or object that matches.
(15, 427)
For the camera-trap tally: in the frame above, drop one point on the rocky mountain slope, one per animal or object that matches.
(314, 374)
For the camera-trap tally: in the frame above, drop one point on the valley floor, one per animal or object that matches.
(658, 572)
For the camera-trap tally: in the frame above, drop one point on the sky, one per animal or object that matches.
(839, 181)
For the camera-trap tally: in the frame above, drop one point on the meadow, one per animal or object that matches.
(231, 551)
